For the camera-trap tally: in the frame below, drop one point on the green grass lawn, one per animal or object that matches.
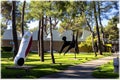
(105, 71)
(43, 68)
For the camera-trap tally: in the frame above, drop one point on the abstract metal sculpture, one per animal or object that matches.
(23, 49)
(71, 44)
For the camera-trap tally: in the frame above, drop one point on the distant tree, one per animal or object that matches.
(86, 9)
(105, 8)
(111, 30)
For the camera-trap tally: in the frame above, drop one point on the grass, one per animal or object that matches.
(43, 68)
(105, 71)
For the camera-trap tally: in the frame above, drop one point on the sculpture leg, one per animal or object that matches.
(70, 47)
(62, 48)
(76, 49)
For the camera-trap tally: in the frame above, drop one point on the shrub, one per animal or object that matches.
(6, 48)
(86, 45)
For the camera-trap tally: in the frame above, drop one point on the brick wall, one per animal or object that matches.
(56, 45)
(8, 43)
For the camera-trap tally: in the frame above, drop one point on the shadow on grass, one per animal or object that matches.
(35, 73)
(38, 71)
(9, 54)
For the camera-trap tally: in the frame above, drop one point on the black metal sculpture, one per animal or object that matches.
(71, 44)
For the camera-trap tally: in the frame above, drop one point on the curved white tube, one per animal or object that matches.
(23, 49)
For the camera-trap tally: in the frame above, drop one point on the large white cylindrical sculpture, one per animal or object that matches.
(23, 49)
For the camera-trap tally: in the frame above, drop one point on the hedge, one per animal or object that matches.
(6, 48)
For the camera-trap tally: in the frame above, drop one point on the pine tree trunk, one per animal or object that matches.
(97, 29)
(93, 36)
(100, 21)
(39, 37)
(40, 40)
(93, 45)
(22, 18)
(45, 27)
(51, 43)
(14, 32)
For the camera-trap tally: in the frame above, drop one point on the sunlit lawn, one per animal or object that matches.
(105, 71)
(43, 68)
